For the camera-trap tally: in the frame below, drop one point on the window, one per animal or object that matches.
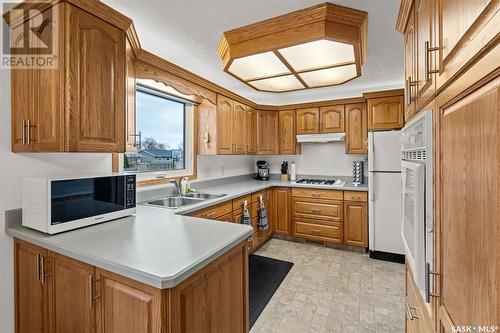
(163, 135)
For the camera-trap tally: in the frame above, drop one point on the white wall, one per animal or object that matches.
(12, 168)
(224, 166)
(327, 159)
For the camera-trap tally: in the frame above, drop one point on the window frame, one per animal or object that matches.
(159, 177)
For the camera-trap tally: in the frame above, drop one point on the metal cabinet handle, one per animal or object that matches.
(23, 137)
(212, 213)
(316, 194)
(42, 269)
(428, 51)
(409, 86)
(37, 265)
(315, 210)
(315, 231)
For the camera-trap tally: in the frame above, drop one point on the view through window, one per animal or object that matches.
(160, 137)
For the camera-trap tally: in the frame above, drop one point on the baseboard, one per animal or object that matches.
(387, 256)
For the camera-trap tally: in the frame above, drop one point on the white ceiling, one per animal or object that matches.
(187, 33)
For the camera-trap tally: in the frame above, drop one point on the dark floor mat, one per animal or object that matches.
(265, 276)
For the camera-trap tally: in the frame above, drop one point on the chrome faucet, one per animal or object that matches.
(178, 185)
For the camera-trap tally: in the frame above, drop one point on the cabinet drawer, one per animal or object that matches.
(329, 233)
(256, 195)
(226, 218)
(238, 203)
(318, 194)
(319, 209)
(355, 196)
(214, 212)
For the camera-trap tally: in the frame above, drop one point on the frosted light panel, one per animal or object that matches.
(318, 54)
(258, 66)
(281, 83)
(329, 76)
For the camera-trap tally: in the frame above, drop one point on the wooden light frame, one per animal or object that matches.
(321, 22)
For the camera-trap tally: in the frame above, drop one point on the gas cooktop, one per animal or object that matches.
(324, 182)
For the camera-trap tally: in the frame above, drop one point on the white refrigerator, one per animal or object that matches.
(384, 189)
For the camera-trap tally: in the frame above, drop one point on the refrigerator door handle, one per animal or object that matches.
(371, 182)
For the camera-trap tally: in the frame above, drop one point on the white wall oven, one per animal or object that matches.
(417, 225)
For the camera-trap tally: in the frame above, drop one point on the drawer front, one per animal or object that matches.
(319, 209)
(328, 233)
(215, 212)
(226, 218)
(355, 196)
(238, 203)
(317, 194)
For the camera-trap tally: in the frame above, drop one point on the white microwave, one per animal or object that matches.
(53, 205)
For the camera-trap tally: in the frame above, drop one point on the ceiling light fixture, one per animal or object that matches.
(320, 46)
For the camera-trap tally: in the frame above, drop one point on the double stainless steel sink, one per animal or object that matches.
(191, 198)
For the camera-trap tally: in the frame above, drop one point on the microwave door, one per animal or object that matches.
(412, 219)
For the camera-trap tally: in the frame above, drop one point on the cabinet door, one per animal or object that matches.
(468, 142)
(283, 211)
(127, 306)
(267, 132)
(410, 67)
(308, 121)
(424, 22)
(96, 84)
(287, 140)
(263, 235)
(225, 108)
(356, 130)
(207, 128)
(355, 224)
(71, 300)
(385, 113)
(251, 130)
(131, 128)
(31, 305)
(239, 128)
(22, 108)
(331, 119)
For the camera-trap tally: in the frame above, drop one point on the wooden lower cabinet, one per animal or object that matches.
(283, 211)
(417, 317)
(355, 226)
(31, 292)
(318, 230)
(76, 297)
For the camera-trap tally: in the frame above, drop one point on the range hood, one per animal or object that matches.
(321, 138)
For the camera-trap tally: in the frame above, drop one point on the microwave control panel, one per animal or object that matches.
(130, 191)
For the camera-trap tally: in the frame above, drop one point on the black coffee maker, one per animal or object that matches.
(262, 170)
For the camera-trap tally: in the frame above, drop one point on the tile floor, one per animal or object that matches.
(330, 290)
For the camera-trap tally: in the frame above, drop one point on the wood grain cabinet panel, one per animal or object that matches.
(355, 223)
(225, 107)
(283, 211)
(207, 128)
(71, 286)
(426, 59)
(310, 229)
(130, 91)
(251, 130)
(287, 138)
(410, 67)
(31, 293)
(97, 71)
(239, 128)
(331, 119)
(356, 129)
(317, 209)
(308, 121)
(267, 132)
(385, 113)
(126, 305)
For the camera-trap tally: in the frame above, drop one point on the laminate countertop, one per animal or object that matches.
(160, 247)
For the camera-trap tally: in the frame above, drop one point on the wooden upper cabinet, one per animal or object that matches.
(356, 128)
(239, 128)
(287, 140)
(80, 105)
(130, 91)
(331, 119)
(97, 66)
(225, 107)
(31, 293)
(308, 121)
(385, 113)
(207, 127)
(251, 130)
(267, 132)
(410, 67)
(426, 59)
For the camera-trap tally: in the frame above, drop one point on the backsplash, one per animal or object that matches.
(224, 166)
(327, 159)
